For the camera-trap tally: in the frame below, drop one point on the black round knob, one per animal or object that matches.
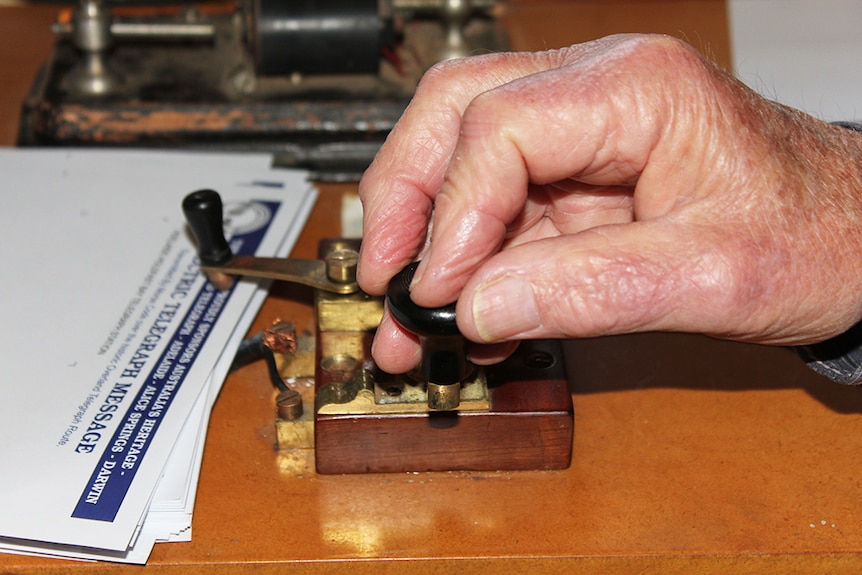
(203, 210)
(444, 362)
(425, 321)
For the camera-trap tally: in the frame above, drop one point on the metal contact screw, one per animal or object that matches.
(289, 405)
(341, 265)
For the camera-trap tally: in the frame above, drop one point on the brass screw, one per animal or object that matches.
(289, 405)
(341, 265)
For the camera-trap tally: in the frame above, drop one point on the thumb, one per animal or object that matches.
(632, 277)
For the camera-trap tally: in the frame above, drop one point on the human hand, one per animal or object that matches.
(622, 185)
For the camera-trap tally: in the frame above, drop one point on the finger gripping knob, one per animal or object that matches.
(203, 211)
(444, 363)
(423, 321)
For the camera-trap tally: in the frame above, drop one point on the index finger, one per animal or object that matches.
(398, 189)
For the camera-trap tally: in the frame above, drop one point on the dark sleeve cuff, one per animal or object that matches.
(855, 126)
(839, 358)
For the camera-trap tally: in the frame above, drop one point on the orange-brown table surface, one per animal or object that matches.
(690, 454)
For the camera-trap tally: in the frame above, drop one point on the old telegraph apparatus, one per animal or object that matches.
(319, 83)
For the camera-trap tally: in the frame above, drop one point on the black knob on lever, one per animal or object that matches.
(203, 211)
(444, 363)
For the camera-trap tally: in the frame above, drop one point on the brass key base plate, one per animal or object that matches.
(350, 386)
(370, 395)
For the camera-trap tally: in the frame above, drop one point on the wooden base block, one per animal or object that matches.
(529, 425)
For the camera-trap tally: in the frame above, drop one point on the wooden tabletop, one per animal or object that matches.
(690, 454)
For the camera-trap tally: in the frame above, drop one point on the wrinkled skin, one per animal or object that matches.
(622, 185)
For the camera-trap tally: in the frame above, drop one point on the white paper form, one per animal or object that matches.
(108, 333)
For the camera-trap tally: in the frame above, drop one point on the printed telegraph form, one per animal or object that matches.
(110, 334)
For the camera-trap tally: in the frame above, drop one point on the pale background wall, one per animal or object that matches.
(804, 53)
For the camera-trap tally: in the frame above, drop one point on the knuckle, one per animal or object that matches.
(448, 76)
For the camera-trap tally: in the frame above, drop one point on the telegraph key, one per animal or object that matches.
(448, 414)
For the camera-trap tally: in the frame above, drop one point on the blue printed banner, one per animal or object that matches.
(113, 474)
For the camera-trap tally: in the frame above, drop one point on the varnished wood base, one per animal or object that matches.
(529, 426)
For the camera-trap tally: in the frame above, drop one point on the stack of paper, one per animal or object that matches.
(114, 345)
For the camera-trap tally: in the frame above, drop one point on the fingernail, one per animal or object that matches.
(417, 275)
(504, 308)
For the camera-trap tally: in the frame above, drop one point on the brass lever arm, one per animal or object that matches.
(306, 272)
